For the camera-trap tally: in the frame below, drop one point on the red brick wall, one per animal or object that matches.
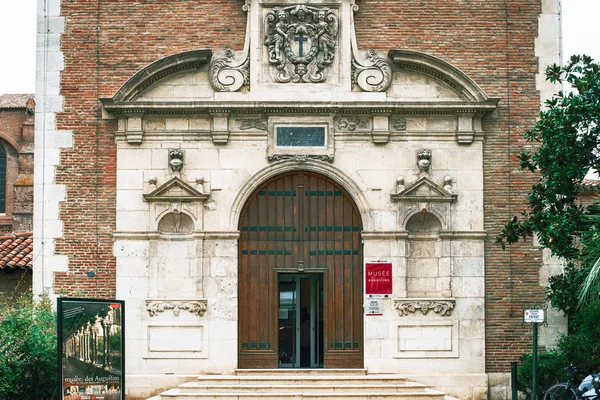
(106, 42)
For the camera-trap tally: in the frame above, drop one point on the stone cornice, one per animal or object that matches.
(125, 108)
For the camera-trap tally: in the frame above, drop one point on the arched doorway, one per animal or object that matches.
(300, 260)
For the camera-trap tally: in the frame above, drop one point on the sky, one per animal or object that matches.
(581, 33)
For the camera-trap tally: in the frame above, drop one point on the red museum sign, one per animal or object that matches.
(379, 278)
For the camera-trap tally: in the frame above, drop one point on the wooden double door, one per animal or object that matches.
(300, 227)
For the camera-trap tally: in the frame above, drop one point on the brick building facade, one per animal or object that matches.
(16, 190)
(464, 82)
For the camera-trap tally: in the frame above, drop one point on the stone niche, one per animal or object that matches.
(427, 271)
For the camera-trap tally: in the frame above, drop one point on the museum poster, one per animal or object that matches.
(91, 349)
(378, 278)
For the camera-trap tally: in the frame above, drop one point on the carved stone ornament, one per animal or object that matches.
(300, 158)
(398, 125)
(176, 160)
(196, 307)
(373, 74)
(424, 160)
(253, 123)
(443, 307)
(226, 75)
(301, 42)
(353, 123)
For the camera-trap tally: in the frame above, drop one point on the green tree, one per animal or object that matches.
(566, 141)
(28, 350)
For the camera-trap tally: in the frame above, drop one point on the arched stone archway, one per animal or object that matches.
(300, 226)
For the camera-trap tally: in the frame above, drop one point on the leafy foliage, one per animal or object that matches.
(28, 350)
(562, 289)
(581, 346)
(550, 369)
(567, 138)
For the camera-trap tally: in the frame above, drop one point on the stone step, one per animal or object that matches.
(197, 387)
(304, 385)
(316, 379)
(301, 371)
(426, 394)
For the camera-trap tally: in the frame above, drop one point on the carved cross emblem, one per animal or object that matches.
(301, 42)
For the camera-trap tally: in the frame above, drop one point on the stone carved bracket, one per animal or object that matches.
(197, 307)
(443, 307)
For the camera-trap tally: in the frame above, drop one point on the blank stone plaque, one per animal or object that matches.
(301, 136)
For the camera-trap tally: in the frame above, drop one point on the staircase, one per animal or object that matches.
(301, 384)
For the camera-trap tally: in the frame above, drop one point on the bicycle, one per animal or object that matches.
(565, 390)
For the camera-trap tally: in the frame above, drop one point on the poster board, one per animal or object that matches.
(91, 349)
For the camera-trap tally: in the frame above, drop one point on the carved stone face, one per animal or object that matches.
(301, 69)
(281, 15)
(424, 164)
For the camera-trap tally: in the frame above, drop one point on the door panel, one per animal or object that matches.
(300, 223)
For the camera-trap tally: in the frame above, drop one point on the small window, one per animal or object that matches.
(2, 179)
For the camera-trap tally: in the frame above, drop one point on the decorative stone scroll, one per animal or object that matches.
(443, 307)
(373, 74)
(226, 75)
(301, 42)
(196, 307)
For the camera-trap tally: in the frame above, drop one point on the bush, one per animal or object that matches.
(28, 359)
(550, 369)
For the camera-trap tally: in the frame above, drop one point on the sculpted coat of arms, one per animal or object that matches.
(301, 42)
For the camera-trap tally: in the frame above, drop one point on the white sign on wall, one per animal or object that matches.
(374, 306)
(534, 316)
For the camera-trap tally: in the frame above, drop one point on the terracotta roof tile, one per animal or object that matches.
(16, 251)
(14, 100)
(590, 185)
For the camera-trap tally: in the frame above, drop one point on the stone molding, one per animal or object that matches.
(195, 306)
(158, 70)
(441, 306)
(404, 235)
(198, 235)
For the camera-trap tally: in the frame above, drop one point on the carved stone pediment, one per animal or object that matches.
(424, 190)
(424, 195)
(175, 190)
